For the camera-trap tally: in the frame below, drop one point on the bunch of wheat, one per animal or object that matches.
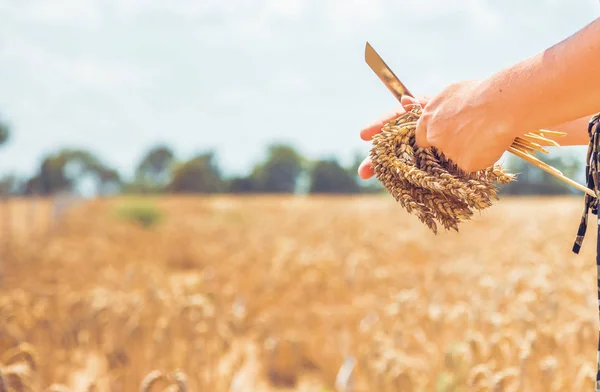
(425, 182)
(431, 186)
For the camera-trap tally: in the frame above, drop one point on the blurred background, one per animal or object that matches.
(168, 172)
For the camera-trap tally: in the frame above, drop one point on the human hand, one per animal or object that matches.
(470, 129)
(365, 170)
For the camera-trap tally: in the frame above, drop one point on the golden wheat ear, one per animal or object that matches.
(425, 182)
(432, 187)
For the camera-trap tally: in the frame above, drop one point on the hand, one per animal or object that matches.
(365, 170)
(468, 128)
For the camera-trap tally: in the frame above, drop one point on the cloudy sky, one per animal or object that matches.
(118, 76)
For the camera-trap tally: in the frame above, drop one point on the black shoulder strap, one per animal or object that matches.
(592, 174)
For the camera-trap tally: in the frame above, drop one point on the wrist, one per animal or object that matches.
(505, 110)
(557, 85)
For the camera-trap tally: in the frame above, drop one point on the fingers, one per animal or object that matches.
(374, 128)
(409, 102)
(421, 134)
(365, 170)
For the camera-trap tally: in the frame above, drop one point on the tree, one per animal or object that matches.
(153, 173)
(280, 171)
(241, 185)
(534, 181)
(328, 176)
(372, 185)
(11, 184)
(4, 132)
(108, 180)
(66, 169)
(357, 159)
(198, 175)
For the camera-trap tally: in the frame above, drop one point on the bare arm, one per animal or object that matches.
(475, 122)
(556, 86)
(576, 132)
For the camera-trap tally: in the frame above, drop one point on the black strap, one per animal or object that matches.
(592, 174)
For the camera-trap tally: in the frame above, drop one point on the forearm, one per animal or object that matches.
(554, 87)
(576, 132)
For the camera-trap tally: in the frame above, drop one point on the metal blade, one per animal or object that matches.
(384, 73)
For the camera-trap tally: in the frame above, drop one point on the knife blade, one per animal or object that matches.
(385, 74)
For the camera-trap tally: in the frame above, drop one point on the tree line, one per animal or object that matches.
(160, 170)
(283, 170)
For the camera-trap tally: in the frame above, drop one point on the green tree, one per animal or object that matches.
(198, 175)
(357, 159)
(328, 176)
(108, 180)
(280, 171)
(153, 173)
(241, 185)
(11, 184)
(534, 181)
(372, 185)
(4, 132)
(64, 170)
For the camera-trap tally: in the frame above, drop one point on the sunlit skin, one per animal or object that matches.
(475, 121)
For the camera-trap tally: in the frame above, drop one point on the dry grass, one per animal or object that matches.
(28, 218)
(279, 293)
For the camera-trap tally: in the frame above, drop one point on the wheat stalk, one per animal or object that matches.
(432, 187)
(3, 382)
(56, 388)
(23, 351)
(150, 379)
(425, 182)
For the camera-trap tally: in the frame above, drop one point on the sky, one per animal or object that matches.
(119, 76)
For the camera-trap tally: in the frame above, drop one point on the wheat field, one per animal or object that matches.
(308, 294)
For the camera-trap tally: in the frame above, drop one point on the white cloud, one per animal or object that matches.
(350, 15)
(35, 59)
(87, 70)
(280, 86)
(290, 81)
(98, 75)
(286, 9)
(82, 13)
(483, 17)
(131, 9)
(233, 96)
(254, 21)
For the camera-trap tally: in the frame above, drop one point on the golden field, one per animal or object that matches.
(280, 293)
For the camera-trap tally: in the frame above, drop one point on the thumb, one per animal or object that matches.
(421, 134)
(409, 103)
